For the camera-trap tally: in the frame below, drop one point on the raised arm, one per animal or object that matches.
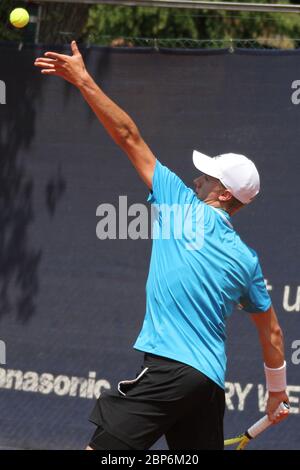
(271, 340)
(117, 123)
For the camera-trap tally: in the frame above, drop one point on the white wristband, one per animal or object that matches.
(276, 378)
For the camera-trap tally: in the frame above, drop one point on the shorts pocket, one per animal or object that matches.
(126, 385)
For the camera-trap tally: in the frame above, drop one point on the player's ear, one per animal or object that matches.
(225, 196)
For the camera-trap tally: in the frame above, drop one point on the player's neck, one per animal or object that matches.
(218, 205)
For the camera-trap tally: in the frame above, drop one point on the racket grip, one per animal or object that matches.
(264, 422)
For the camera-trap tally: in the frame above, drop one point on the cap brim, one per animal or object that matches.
(206, 164)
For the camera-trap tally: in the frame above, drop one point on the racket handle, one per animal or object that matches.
(264, 422)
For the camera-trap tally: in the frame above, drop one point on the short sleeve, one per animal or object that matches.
(257, 298)
(167, 187)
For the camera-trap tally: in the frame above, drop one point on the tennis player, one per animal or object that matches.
(179, 391)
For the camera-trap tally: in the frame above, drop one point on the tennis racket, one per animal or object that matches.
(243, 439)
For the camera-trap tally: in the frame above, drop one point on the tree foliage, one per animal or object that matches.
(61, 22)
(121, 21)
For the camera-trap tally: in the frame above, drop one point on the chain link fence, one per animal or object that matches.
(279, 43)
(273, 43)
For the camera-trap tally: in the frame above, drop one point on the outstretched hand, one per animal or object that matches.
(68, 67)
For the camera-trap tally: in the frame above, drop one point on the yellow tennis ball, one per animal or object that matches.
(19, 17)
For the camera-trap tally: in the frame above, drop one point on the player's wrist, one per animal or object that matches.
(280, 395)
(275, 378)
(85, 81)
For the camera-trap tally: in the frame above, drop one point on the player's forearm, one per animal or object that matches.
(273, 347)
(117, 123)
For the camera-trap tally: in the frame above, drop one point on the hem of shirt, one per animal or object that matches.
(258, 310)
(177, 358)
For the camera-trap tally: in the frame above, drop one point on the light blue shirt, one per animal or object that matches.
(193, 284)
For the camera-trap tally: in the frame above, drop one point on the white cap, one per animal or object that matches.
(236, 172)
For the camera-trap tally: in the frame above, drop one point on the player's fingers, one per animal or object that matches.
(280, 416)
(283, 415)
(45, 59)
(49, 72)
(74, 48)
(43, 64)
(55, 55)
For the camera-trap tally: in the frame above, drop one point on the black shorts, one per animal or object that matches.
(166, 398)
